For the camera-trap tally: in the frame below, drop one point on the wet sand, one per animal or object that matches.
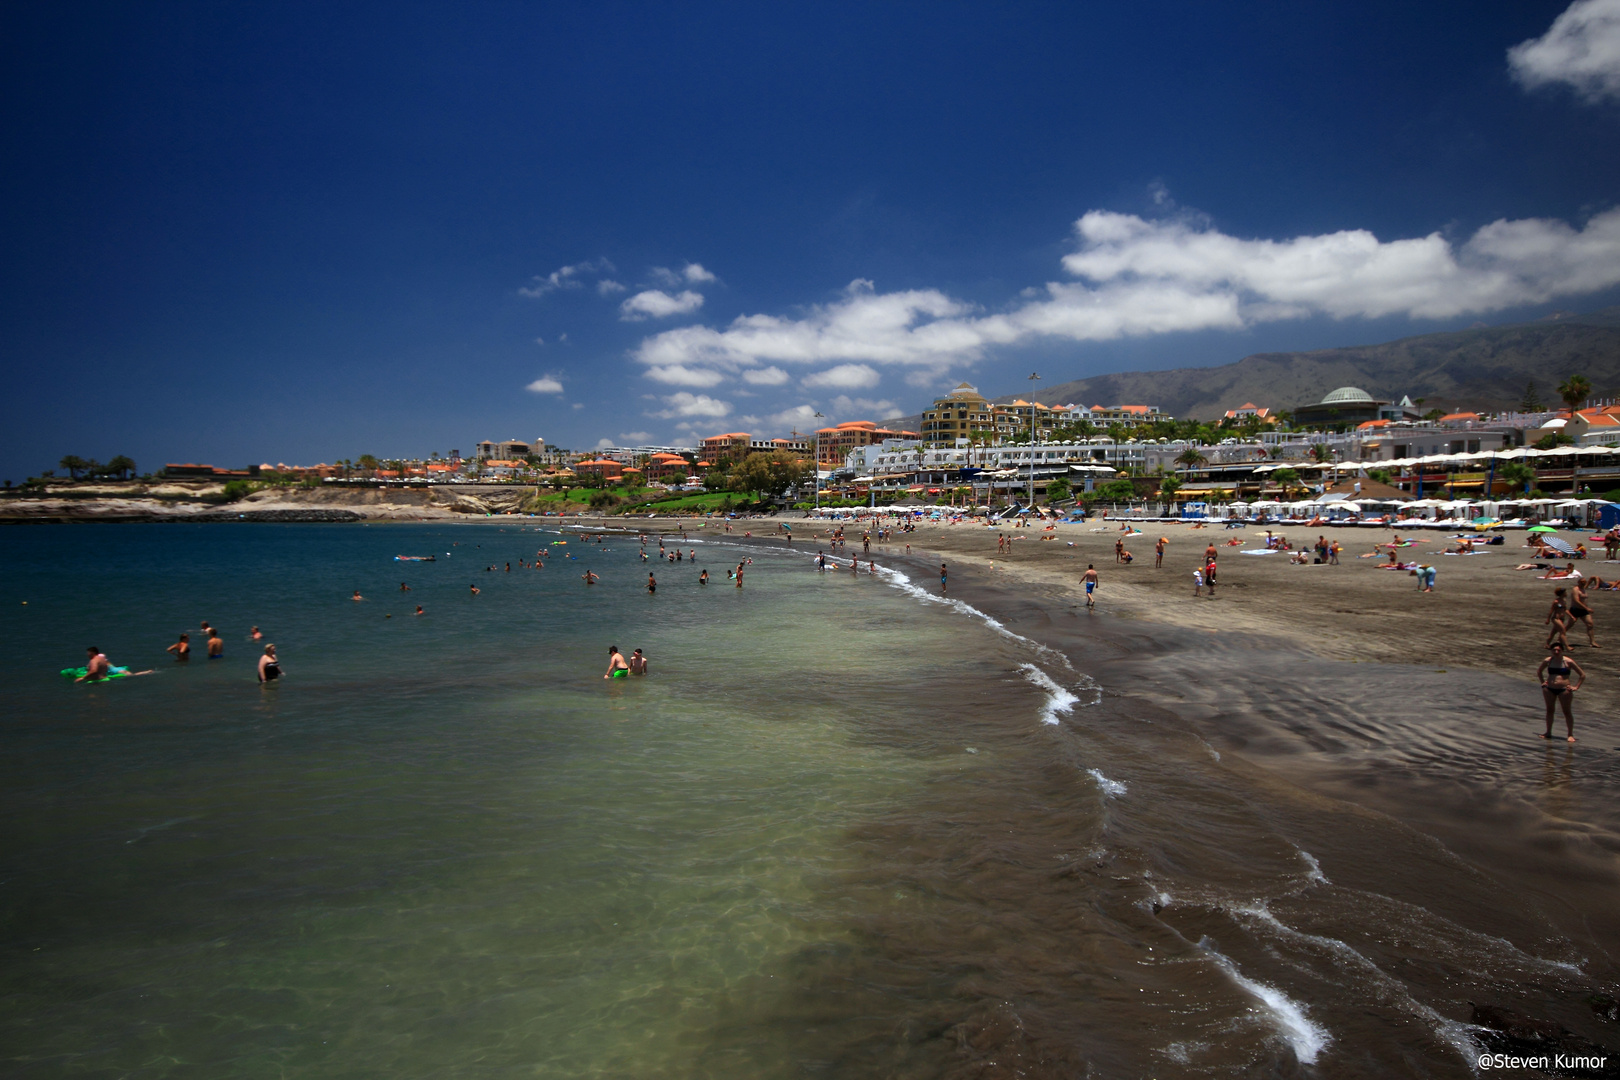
(1346, 682)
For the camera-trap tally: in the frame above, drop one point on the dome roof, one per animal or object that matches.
(1348, 395)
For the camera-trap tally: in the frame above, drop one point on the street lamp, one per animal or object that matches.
(1033, 379)
(817, 463)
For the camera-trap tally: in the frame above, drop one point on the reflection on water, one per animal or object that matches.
(841, 830)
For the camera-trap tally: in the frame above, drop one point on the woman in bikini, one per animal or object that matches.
(1556, 690)
(1556, 617)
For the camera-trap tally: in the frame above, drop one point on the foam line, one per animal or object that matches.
(1058, 700)
(1454, 1034)
(1110, 788)
(1306, 1038)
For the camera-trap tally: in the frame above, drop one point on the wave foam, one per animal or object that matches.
(1058, 700)
(1306, 1038)
(1110, 788)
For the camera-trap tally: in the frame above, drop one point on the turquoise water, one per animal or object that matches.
(444, 845)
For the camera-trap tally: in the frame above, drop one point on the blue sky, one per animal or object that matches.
(284, 232)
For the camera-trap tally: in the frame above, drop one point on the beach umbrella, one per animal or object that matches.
(1560, 545)
(1542, 528)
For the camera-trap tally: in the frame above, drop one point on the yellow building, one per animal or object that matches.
(961, 414)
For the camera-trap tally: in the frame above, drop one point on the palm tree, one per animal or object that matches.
(1320, 453)
(1518, 473)
(1574, 390)
(122, 465)
(1191, 458)
(74, 465)
(368, 462)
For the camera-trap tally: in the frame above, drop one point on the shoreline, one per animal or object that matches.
(1442, 743)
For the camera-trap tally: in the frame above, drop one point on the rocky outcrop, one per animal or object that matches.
(203, 501)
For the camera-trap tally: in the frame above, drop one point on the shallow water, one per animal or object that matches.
(842, 829)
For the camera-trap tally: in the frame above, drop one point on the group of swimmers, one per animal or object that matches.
(620, 668)
(98, 668)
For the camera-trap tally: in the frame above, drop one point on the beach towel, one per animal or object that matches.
(1258, 551)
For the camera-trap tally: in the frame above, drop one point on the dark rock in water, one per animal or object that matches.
(1506, 1032)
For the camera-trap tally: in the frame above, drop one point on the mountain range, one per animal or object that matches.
(1485, 368)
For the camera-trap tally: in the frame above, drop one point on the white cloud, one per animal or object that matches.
(564, 277)
(866, 408)
(1580, 49)
(767, 376)
(1135, 277)
(657, 304)
(545, 384)
(540, 341)
(695, 273)
(923, 378)
(603, 444)
(635, 436)
(579, 405)
(799, 417)
(681, 375)
(608, 286)
(843, 377)
(687, 404)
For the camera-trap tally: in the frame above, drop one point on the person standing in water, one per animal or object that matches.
(703, 578)
(943, 573)
(589, 578)
(1556, 690)
(652, 584)
(1090, 578)
(181, 649)
(269, 666)
(638, 663)
(216, 645)
(617, 668)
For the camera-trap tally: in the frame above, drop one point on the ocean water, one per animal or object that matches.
(845, 828)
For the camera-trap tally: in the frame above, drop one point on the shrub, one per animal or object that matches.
(601, 499)
(237, 489)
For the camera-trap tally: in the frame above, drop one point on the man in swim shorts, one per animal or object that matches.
(652, 584)
(638, 663)
(96, 668)
(216, 644)
(617, 668)
(1090, 578)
